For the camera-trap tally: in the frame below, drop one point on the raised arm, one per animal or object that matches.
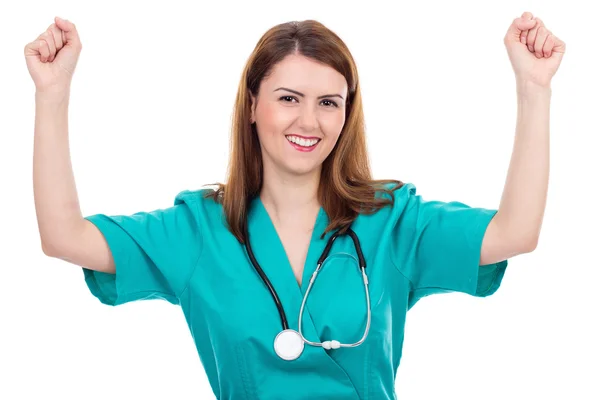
(64, 233)
(535, 54)
(51, 59)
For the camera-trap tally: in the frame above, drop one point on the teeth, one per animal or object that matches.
(302, 142)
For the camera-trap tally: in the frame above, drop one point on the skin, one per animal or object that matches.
(535, 55)
(291, 177)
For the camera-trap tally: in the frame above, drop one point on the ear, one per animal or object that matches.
(252, 107)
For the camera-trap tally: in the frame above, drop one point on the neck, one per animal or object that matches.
(290, 198)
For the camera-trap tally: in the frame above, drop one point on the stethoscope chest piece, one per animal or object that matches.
(288, 344)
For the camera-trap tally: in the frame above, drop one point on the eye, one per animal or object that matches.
(287, 97)
(332, 102)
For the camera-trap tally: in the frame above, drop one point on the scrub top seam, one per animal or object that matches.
(397, 268)
(445, 288)
(187, 284)
(498, 268)
(134, 295)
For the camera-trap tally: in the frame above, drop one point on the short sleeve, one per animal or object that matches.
(437, 246)
(155, 253)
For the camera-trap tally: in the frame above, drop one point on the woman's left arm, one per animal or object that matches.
(535, 54)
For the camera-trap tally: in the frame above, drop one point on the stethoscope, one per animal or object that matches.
(289, 344)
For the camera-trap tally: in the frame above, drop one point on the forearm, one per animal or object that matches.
(55, 194)
(523, 201)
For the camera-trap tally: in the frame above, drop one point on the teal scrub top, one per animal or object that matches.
(185, 255)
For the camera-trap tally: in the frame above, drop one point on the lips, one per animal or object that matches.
(303, 143)
(302, 140)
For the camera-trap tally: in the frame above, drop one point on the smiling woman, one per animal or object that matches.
(304, 143)
(311, 120)
(299, 200)
(301, 95)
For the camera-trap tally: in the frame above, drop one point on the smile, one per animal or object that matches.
(303, 144)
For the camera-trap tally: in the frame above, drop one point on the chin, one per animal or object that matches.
(301, 168)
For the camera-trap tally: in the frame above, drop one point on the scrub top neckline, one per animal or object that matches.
(316, 245)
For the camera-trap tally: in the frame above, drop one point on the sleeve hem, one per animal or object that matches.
(105, 286)
(119, 298)
(494, 283)
(488, 277)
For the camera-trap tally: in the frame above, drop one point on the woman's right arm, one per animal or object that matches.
(51, 60)
(64, 233)
(155, 252)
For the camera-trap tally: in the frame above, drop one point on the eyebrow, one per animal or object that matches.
(302, 94)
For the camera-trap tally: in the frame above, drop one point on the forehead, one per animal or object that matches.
(306, 75)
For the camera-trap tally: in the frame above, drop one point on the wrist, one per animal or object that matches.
(52, 96)
(529, 88)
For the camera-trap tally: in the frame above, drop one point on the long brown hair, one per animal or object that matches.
(346, 187)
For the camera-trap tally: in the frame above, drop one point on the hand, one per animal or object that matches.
(52, 57)
(534, 52)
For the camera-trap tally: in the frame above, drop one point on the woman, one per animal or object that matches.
(276, 308)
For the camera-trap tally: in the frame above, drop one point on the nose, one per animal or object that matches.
(308, 118)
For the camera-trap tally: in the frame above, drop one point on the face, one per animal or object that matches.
(299, 114)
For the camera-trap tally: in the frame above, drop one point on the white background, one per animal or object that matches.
(156, 83)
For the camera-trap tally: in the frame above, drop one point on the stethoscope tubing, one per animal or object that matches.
(312, 280)
(266, 280)
(284, 322)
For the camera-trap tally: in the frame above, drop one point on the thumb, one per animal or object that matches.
(70, 35)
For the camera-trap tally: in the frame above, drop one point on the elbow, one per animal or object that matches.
(528, 245)
(48, 249)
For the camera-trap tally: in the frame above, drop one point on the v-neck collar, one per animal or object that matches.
(272, 258)
(261, 221)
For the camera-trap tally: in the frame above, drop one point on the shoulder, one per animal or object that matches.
(196, 197)
(201, 203)
(401, 197)
(402, 192)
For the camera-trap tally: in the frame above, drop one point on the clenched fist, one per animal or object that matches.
(52, 57)
(534, 52)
